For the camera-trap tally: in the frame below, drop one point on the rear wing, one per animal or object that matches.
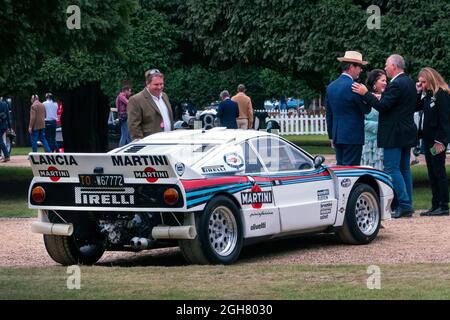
(134, 168)
(111, 182)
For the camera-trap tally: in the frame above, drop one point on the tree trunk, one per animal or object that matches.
(85, 119)
(21, 118)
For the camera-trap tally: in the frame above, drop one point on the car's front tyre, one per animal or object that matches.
(219, 234)
(362, 216)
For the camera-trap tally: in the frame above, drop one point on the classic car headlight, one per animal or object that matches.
(171, 196)
(38, 194)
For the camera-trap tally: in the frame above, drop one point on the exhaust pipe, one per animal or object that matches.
(183, 232)
(140, 243)
(56, 229)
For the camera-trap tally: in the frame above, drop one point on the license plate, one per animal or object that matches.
(101, 180)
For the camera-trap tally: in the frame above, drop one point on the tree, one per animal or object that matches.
(39, 39)
(304, 38)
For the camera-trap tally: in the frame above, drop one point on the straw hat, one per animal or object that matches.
(352, 56)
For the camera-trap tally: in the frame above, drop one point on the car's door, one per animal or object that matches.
(260, 213)
(304, 195)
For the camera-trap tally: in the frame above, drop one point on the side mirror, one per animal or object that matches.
(318, 160)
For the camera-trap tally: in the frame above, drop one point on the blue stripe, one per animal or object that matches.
(199, 192)
(286, 182)
(291, 174)
(385, 178)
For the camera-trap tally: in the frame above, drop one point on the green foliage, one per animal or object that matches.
(275, 47)
(306, 37)
(36, 39)
(202, 85)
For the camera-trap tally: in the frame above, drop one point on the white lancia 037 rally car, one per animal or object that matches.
(209, 192)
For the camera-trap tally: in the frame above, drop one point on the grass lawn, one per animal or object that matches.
(14, 183)
(23, 151)
(416, 281)
(308, 140)
(314, 144)
(318, 150)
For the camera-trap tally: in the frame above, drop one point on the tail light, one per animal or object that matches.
(171, 196)
(38, 194)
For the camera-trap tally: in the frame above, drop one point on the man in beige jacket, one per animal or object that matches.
(149, 111)
(36, 128)
(245, 120)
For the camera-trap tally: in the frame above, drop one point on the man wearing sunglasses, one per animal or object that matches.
(149, 111)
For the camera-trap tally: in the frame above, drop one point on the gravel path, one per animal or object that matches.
(413, 240)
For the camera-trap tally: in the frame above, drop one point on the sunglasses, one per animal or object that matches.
(152, 72)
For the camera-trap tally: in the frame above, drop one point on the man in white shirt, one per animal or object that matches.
(149, 111)
(51, 108)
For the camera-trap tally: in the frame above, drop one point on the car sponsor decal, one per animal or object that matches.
(151, 174)
(234, 160)
(179, 168)
(261, 213)
(323, 194)
(67, 194)
(140, 160)
(325, 210)
(104, 198)
(258, 226)
(199, 191)
(345, 183)
(54, 174)
(214, 169)
(256, 197)
(62, 160)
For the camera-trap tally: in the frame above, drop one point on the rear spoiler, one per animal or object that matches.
(68, 166)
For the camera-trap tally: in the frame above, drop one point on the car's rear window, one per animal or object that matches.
(188, 153)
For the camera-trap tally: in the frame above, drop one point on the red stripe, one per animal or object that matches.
(337, 168)
(200, 183)
(323, 174)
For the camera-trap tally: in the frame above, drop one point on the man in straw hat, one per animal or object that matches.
(345, 111)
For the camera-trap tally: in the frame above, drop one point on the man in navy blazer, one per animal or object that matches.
(228, 111)
(345, 112)
(397, 132)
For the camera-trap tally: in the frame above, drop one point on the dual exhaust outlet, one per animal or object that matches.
(159, 232)
(163, 232)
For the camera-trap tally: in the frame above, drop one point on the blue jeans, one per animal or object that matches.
(39, 135)
(124, 134)
(396, 163)
(50, 134)
(3, 145)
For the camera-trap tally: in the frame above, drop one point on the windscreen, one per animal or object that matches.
(189, 153)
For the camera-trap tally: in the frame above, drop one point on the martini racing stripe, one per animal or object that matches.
(199, 196)
(344, 172)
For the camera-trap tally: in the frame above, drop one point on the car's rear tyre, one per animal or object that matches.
(68, 251)
(219, 234)
(362, 216)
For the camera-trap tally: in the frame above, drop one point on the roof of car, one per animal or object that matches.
(214, 135)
